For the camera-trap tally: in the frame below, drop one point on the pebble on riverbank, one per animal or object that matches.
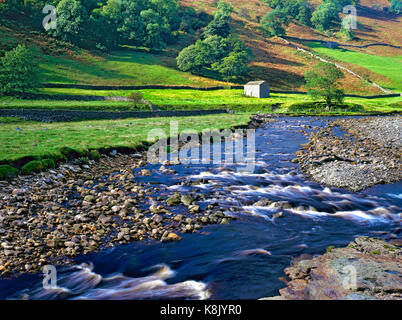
(370, 154)
(54, 216)
(79, 208)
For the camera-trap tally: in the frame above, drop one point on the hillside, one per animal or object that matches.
(273, 60)
(284, 67)
(61, 64)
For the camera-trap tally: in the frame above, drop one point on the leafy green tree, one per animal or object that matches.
(326, 16)
(157, 29)
(189, 59)
(18, 71)
(224, 9)
(71, 18)
(304, 14)
(104, 23)
(232, 67)
(191, 20)
(294, 9)
(322, 83)
(220, 25)
(275, 21)
(149, 23)
(11, 6)
(346, 32)
(132, 27)
(168, 9)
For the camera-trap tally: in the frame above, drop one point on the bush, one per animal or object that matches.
(94, 155)
(319, 106)
(48, 163)
(136, 97)
(84, 160)
(32, 166)
(7, 171)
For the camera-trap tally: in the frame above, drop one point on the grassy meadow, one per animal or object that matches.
(37, 139)
(191, 99)
(125, 67)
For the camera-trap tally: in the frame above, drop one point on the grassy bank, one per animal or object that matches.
(22, 139)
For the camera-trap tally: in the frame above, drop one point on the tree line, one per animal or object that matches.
(323, 18)
(107, 24)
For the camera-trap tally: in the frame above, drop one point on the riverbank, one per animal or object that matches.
(84, 206)
(375, 265)
(25, 141)
(280, 215)
(368, 154)
(51, 217)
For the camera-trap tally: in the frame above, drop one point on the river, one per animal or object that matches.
(241, 260)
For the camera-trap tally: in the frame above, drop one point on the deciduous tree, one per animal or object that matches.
(18, 71)
(322, 83)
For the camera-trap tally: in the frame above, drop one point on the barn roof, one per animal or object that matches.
(255, 83)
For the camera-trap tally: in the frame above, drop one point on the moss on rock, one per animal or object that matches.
(48, 163)
(94, 155)
(32, 166)
(7, 171)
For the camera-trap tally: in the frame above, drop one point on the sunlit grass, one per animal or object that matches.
(390, 67)
(20, 138)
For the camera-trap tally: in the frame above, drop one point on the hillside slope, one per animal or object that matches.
(284, 67)
(273, 60)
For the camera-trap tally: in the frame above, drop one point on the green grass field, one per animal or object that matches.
(190, 99)
(125, 67)
(22, 138)
(390, 67)
(183, 96)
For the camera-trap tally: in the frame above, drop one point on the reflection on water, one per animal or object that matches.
(242, 260)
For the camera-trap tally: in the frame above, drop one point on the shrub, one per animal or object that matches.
(32, 166)
(136, 97)
(94, 155)
(7, 171)
(84, 160)
(396, 6)
(48, 163)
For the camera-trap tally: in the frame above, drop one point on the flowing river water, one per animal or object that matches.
(241, 260)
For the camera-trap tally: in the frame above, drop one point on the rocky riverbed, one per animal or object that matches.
(368, 268)
(84, 206)
(56, 215)
(369, 154)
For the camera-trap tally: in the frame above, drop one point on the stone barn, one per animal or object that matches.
(257, 89)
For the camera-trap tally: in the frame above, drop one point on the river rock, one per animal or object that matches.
(187, 199)
(368, 268)
(173, 237)
(174, 200)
